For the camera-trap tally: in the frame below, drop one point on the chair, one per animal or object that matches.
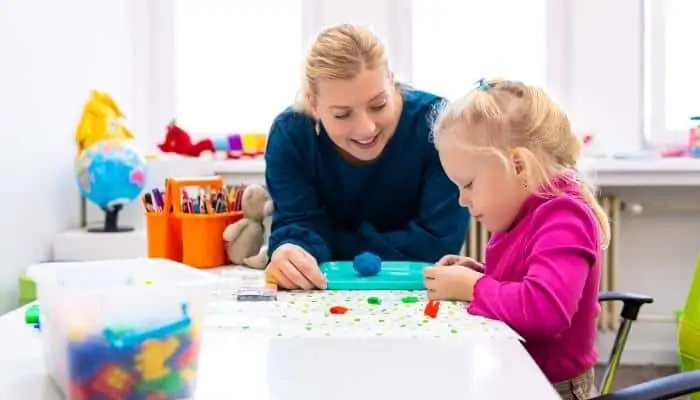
(631, 304)
(668, 387)
(689, 329)
(684, 383)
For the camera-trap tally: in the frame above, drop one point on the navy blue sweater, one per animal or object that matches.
(400, 207)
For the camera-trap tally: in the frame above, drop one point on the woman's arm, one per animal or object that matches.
(298, 218)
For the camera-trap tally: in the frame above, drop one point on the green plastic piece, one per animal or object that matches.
(27, 290)
(689, 329)
(374, 300)
(409, 299)
(31, 316)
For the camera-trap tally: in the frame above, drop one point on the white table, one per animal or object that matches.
(259, 367)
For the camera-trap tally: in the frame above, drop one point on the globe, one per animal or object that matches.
(111, 173)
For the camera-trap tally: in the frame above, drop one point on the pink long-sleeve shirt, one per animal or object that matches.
(542, 278)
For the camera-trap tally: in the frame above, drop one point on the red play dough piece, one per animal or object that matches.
(338, 310)
(432, 308)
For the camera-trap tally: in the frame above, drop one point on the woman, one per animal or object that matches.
(351, 167)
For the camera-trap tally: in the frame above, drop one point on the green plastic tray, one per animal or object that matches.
(395, 275)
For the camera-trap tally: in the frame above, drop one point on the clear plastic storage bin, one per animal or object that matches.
(126, 329)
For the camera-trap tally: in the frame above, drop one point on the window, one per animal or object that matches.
(237, 63)
(672, 81)
(455, 43)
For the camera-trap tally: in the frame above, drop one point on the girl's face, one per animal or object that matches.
(360, 114)
(488, 185)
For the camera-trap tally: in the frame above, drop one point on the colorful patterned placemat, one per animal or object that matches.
(308, 314)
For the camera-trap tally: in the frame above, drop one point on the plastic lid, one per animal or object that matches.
(695, 118)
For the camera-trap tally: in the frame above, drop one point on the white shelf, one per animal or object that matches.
(643, 172)
(605, 172)
(223, 167)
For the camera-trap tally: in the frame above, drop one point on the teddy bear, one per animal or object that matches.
(244, 238)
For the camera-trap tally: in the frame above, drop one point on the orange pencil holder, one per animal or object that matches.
(202, 238)
(193, 239)
(163, 236)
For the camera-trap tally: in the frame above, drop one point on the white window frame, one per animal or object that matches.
(655, 131)
(158, 27)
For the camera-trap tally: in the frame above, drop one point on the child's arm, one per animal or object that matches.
(564, 247)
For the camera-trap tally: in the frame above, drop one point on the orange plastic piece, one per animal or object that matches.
(432, 308)
(269, 279)
(338, 310)
(113, 382)
(193, 239)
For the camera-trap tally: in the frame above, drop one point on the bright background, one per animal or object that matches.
(626, 71)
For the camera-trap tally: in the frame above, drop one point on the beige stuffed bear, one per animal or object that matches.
(244, 238)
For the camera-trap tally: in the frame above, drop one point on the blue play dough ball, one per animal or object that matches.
(367, 264)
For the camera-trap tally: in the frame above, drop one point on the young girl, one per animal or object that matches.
(511, 152)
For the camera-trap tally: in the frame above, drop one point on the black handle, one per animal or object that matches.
(631, 302)
(668, 387)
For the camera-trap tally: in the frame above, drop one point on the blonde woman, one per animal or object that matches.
(351, 167)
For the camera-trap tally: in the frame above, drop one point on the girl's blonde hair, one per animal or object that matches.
(339, 53)
(522, 117)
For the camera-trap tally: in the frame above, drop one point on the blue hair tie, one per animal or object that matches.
(481, 84)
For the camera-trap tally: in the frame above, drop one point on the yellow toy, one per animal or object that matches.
(151, 362)
(102, 119)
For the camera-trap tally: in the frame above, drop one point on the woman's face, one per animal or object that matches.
(360, 114)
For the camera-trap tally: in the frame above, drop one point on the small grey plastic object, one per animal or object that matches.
(261, 294)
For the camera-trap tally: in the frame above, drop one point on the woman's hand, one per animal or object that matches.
(463, 261)
(450, 283)
(292, 267)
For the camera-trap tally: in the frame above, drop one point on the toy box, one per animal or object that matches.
(126, 329)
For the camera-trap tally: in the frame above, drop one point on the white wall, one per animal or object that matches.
(657, 254)
(658, 248)
(53, 53)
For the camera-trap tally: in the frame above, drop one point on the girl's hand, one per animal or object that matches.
(463, 261)
(449, 283)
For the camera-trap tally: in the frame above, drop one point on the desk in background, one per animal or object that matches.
(79, 245)
(605, 172)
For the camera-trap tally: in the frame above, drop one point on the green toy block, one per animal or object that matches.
(31, 316)
(27, 290)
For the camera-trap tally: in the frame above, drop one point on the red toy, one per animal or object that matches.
(113, 383)
(233, 146)
(178, 141)
(432, 308)
(338, 310)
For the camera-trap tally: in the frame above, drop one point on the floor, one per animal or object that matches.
(630, 375)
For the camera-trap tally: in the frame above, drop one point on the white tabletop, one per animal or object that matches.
(284, 364)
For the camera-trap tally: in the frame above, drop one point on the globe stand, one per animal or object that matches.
(111, 222)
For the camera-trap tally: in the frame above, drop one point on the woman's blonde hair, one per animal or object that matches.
(339, 53)
(522, 117)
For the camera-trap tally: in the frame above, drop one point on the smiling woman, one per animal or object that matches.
(351, 168)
